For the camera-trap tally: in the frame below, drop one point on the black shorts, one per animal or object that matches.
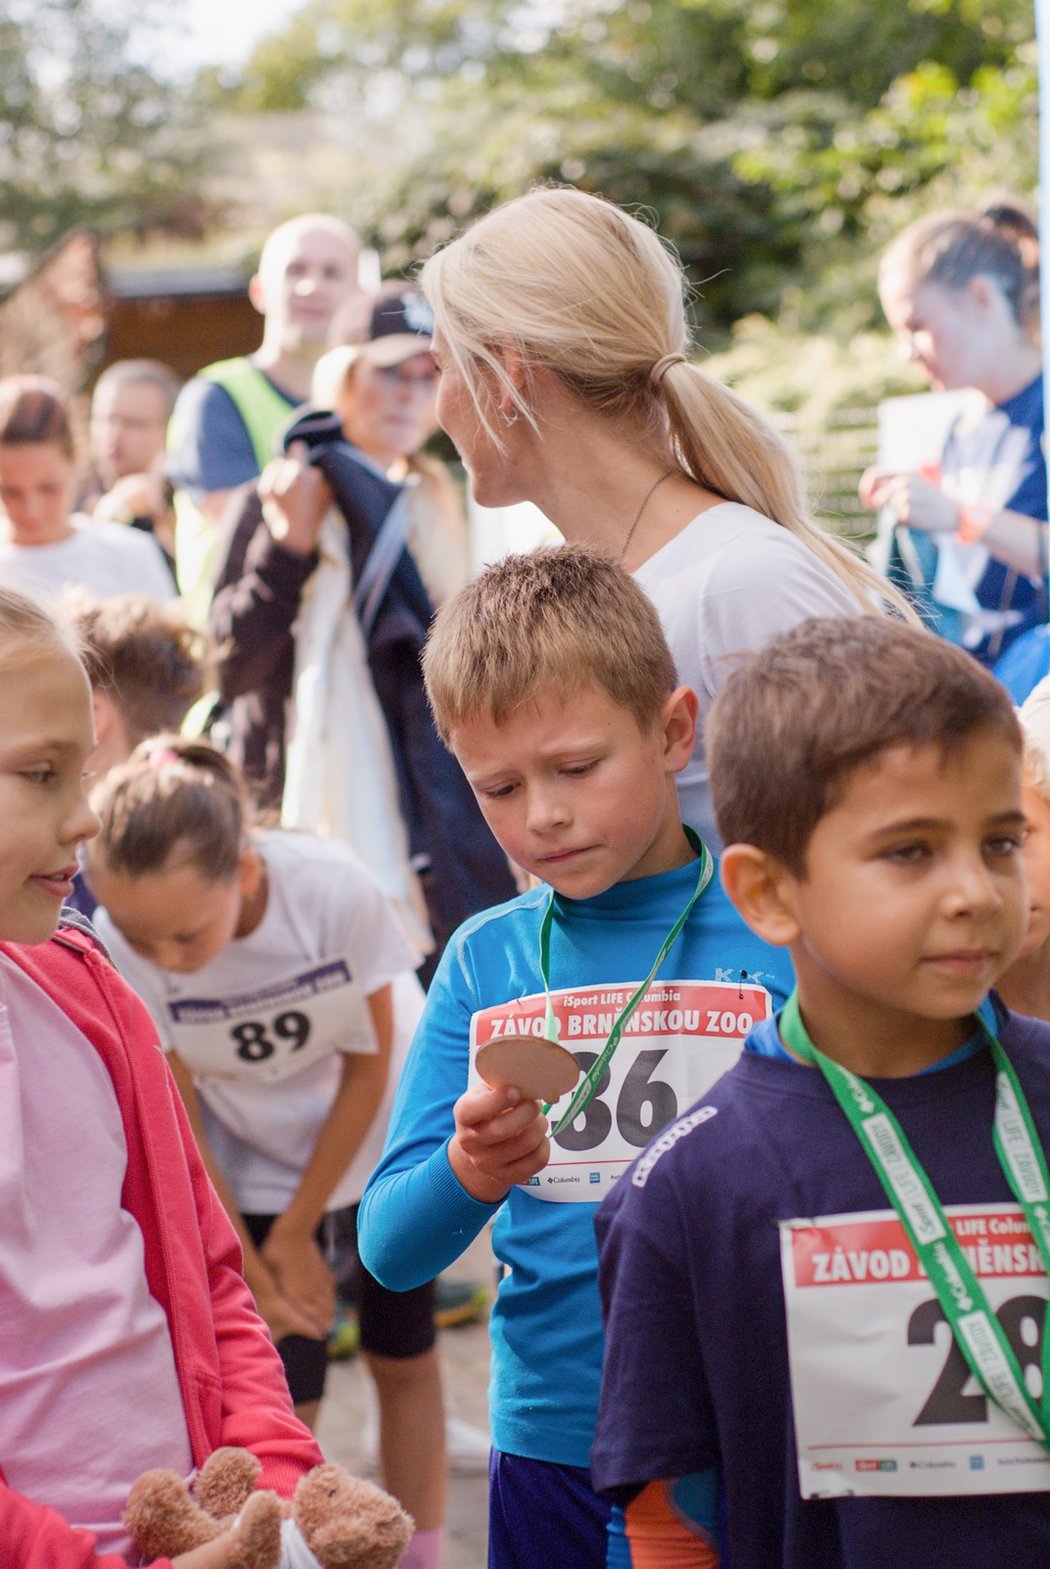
(305, 1360)
(393, 1323)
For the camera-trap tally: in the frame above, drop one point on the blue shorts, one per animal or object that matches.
(544, 1514)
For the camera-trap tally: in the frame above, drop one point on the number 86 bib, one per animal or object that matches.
(274, 1030)
(683, 1036)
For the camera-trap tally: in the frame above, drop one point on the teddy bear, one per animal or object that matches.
(343, 1521)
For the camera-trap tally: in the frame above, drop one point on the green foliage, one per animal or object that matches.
(777, 143)
(87, 133)
(816, 377)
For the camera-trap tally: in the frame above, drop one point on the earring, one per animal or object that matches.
(509, 419)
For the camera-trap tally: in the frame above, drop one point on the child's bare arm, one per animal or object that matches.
(290, 1249)
(500, 1139)
(282, 1315)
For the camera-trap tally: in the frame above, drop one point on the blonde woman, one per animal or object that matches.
(563, 346)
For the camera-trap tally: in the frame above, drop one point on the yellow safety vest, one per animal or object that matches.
(264, 411)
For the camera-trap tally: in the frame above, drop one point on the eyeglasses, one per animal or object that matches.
(413, 376)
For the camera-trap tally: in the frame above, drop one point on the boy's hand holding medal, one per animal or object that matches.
(502, 1134)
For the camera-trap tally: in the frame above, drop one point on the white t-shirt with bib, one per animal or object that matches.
(263, 1027)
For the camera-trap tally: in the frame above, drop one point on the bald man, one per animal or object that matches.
(226, 417)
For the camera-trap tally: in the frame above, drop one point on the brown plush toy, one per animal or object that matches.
(345, 1522)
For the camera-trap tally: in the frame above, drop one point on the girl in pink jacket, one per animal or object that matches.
(128, 1339)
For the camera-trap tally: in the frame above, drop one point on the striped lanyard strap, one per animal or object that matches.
(588, 1085)
(976, 1329)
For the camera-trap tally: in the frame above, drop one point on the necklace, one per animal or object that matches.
(641, 508)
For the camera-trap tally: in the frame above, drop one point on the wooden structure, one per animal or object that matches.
(185, 317)
(68, 317)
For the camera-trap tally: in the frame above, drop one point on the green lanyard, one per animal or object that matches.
(976, 1329)
(588, 1085)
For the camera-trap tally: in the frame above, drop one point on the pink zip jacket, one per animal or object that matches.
(232, 1382)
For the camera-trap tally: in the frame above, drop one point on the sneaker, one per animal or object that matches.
(467, 1446)
(344, 1340)
(459, 1302)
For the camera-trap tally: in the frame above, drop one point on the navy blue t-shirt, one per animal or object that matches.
(999, 459)
(212, 448)
(696, 1371)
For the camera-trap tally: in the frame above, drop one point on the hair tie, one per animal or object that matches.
(662, 366)
(163, 754)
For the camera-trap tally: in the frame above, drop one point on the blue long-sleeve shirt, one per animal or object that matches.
(416, 1218)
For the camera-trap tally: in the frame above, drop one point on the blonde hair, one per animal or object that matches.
(30, 626)
(581, 288)
(1034, 715)
(556, 619)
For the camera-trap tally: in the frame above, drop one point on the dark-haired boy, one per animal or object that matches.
(768, 1318)
(551, 680)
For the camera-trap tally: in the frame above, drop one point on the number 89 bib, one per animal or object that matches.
(274, 1030)
(683, 1036)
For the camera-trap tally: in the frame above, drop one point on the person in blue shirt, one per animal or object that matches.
(815, 1283)
(961, 291)
(551, 680)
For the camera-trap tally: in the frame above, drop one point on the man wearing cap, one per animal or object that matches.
(383, 388)
(382, 382)
(226, 417)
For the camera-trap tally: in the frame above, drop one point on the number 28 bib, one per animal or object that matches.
(683, 1036)
(884, 1401)
(275, 1030)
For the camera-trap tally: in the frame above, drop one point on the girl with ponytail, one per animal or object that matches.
(961, 291)
(566, 380)
(283, 993)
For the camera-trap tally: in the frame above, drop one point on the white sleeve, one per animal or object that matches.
(754, 596)
(151, 569)
(361, 924)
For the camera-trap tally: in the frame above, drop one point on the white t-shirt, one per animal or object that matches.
(107, 558)
(264, 1026)
(89, 1395)
(729, 583)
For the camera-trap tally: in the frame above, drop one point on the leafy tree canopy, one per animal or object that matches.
(88, 133)
(778, 143)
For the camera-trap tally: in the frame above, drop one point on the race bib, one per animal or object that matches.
(884, 1402)
(681, 1038)
(271, 1031)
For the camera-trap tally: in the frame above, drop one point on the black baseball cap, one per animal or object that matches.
(400, 325)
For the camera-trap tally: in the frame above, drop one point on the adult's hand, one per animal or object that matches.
(295, 498)
(915, 501)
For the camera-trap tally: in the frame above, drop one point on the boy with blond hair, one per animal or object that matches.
(551, 681)
(846, 1241)
(1026, 985)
